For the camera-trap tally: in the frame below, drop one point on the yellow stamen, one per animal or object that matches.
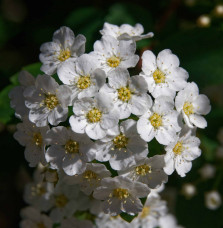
(142, 170)
(61, 201)
(37, 137)
(89, 175)
(113, 61)
(178, 148)
(124, 94)
(159, 76)
(188, 108)
(120, 141)
(64, 55)
(94, 115)
(51, 101)
(145, 212)
(84, 82)
(72, 147)
(121, 193)
(156, 120)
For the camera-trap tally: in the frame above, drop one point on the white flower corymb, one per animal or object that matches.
(63, 47)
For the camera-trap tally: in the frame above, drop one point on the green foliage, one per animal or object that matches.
(127, 217)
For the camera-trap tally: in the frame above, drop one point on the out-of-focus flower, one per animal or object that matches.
(188, 190)
(207, 171)
(204, 21)
(213, 200)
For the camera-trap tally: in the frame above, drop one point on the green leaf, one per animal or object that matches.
(127, 217)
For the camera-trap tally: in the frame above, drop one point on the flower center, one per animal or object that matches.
(142, 170)
(41, 225)
(38, 190)
(178, 148)
(94, 115)
(37, 137)
(124, 94)
(89, 175)
(155, 120)
(64, 55)
(113, 61)
(121, 193)
(51, 101)
(84, 82)
(120, 141)
(145, 212)
(72, 147)
(159, 76)
(188, 108)
(61, 201)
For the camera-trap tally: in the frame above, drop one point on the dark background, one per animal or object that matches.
(26, 24)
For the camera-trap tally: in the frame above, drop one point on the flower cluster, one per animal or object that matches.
(89, 124)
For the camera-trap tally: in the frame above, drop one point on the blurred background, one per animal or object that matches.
(192, 29)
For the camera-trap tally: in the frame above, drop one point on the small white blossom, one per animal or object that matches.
(181, 152)
(33, 218)
(47, 101)
(129, 94)
(68, 150)
(207, 171)
(75, 223)
(83, 77)
(120, 194)
(91, 178)
(148, 171)
(63, 47)
(111, 53)
(121, 146)
(33, 138)
(163, 74)
(193, 106)
(213, 200)
(168, 221)
(94, 116)
(161, 122)
(125, 32)
(16, 94)
(189, 190)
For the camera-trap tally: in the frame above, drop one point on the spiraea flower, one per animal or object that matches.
(33, 218)
(120, 194)
(94, 116)
(148, 171)
(213, 200)
(65, 46)
(168, 221)
(163, 74)
(16, 94)
(181, 152)
(68, 150)
(129, 94)
(125, 32)
(160, 121)
(121, 146)
(91, 178)
(111, 53)
(83, 77)
(48, 101)
(34, 139)
(192, 105)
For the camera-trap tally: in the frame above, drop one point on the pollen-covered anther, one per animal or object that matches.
(120, 141)
(84, 82)
(89, 175)
(72, 147)
(156, 120)
(94, 115)
(64, 55)
(124, 94)
(61, 201)
(142, 170)
(178, 148)
(121, 193)
(51, 101)
(158, 76)
(145, 212)
(113, 61)
(188, 108)
(37, 138)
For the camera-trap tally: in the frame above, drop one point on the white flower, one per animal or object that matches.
(75, 223)
(168, 221)
(33, 218)
(63, 47)
(125, 32)
(207, 171)
(111, 53)
(148, 171)
(163, 74)
(16, 94)
(129, 94)
(121, 146)
(189, 190)
(192, 105)
(91, 178)
(94, 116)
(180, 153)
(160, 122)
(121, 194)
(213, 200)
(33, 138)
(68, 150)
(153, 209)
(47, 101)
(83, 77)
(39, 195)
